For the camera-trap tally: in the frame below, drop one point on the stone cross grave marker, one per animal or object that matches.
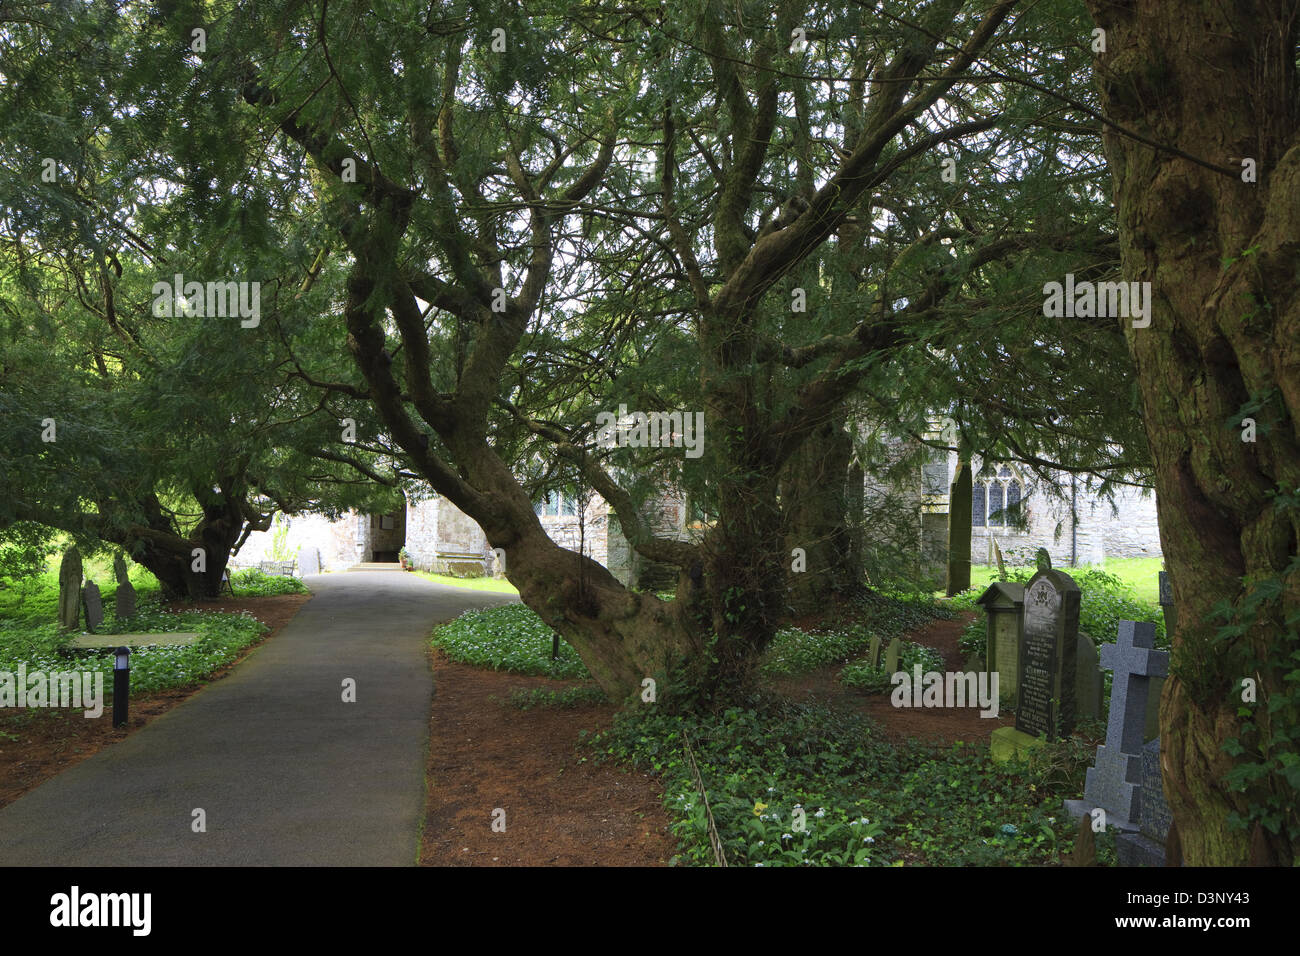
(1115, 781)
(70, 590)
(891, 656)
(1045, 690)
(873, 652)
(125, 606)
(94, 606)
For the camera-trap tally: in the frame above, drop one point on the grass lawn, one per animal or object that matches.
(1140, 574)
(474, 584)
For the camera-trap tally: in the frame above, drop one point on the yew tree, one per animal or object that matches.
(1202, 130)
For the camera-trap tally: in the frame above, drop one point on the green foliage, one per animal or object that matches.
(866, 802)
(1104, 600)
(568, 698)
(794, 651)
(509, 638)
(280, 550)
(253, 582)
(875, 680)
(1266, 746)
(152, 668)
(34, 598)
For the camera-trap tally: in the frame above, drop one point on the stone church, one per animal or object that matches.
(1009, 508)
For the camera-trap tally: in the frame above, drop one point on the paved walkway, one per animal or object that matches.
(286, 772)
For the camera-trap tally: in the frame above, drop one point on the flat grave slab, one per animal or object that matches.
(97, 642)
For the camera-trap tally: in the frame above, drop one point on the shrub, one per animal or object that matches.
(875, 680)
(509, 638)
(253, 582)
(223, 637)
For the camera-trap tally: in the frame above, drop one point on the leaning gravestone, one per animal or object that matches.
(94, 606)
(70, 590)
(125, 606)
(1114, 782)
(309, 561)
(873, 652)
(891, 656)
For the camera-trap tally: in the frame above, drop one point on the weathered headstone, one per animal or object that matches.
(94, 606)
(891, 656)
(1088, 683)
(1167, 602)
(1004, 605)
(309, 561)
(1045, 691)
(70, 590)
(873, 652)
(1114, 783)
(125, 605)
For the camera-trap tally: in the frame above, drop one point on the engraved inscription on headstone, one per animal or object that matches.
(1045, 697)
(1038, 660)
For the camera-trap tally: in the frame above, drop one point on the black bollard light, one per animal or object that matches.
(121, 684)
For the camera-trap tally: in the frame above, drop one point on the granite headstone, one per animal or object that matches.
(1045, 691)
(1147, 846)
(309, 561)
(873, 652)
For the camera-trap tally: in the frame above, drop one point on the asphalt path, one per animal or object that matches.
(285, 772)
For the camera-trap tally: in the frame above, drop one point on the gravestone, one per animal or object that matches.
(1114, 782)
(1004, 605)
(94, 606)
(309, 561)
(1045, 691)
(873, 652)
(1167, 602)
(1088, 683)
(125, 606)
(1147, 846)
(70, 590)
(891, 656)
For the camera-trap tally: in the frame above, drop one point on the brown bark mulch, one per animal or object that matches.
(560, 809)
(37, 743)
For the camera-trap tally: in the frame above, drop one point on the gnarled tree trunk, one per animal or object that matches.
(1216, 85)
